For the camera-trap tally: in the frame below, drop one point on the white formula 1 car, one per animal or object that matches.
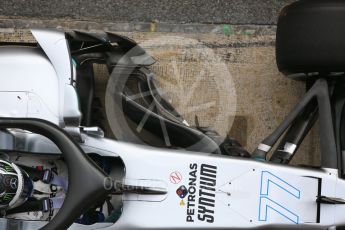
(58, 171)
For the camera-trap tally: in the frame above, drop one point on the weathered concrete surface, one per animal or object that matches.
(227, 77)
(177, 11)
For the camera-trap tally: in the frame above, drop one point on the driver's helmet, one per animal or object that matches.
(15, 185)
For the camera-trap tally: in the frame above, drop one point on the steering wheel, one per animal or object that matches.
(86, 180)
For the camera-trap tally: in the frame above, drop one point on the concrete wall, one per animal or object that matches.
(215, 59)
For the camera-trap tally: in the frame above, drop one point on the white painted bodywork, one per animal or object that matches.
(37, 82)
(292, 191)
(29, 85)
(54, 45)
(261, 195)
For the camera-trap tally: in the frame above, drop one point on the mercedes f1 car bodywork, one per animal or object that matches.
(82, 180)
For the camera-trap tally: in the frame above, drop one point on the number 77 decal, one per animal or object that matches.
(267, 181)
